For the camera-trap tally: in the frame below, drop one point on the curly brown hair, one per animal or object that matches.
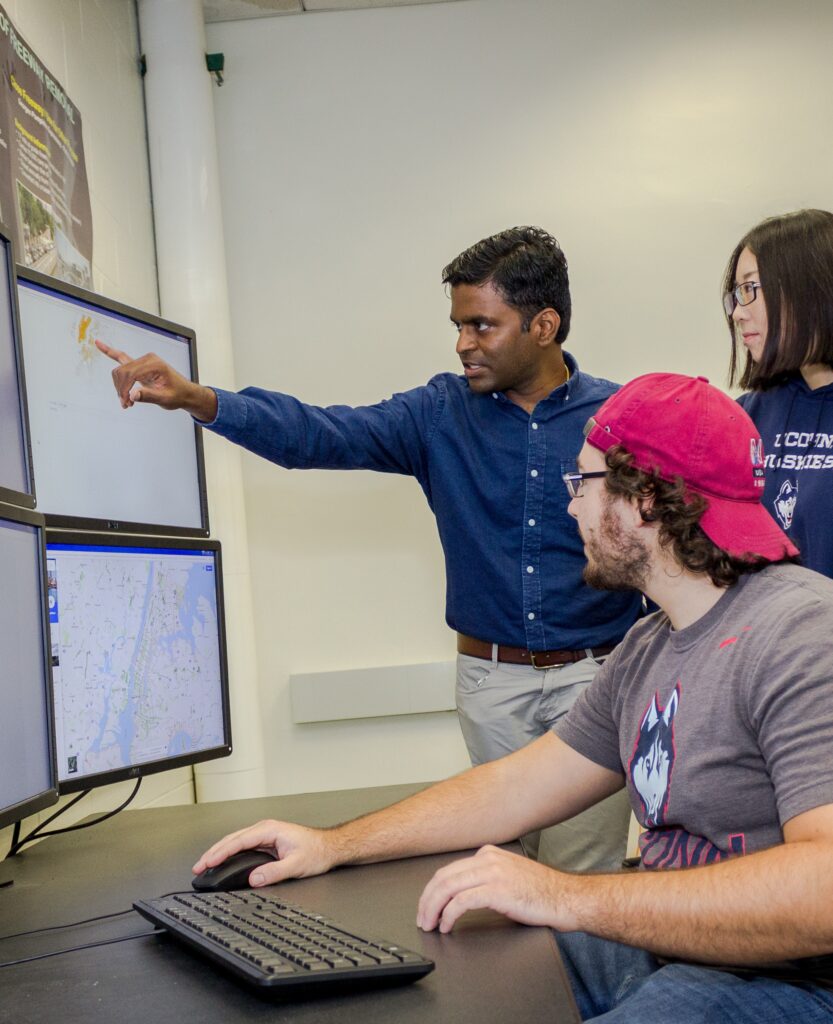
(678, 512)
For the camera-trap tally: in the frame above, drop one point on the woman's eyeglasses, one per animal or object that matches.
(741, 295)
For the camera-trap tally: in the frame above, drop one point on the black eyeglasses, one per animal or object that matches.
(741, 295)
(575, 481)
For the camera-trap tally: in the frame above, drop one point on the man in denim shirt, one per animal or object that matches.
(488, 449)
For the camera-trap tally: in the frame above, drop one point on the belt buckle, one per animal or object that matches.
(538, 668)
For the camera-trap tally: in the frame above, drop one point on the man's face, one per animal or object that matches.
(497, 355)
(617, 557)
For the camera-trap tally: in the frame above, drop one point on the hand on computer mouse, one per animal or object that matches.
(232, 873)
(298, 851)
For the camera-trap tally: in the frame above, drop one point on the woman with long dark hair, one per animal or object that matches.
(778, 296)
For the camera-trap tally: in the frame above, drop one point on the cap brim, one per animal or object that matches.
(745, 529)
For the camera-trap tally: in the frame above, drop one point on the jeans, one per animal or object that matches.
(503, 707)
(617, 984)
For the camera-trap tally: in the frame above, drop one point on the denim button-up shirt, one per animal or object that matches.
(492, 475)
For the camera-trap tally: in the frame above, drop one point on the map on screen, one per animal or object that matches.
(138, 670)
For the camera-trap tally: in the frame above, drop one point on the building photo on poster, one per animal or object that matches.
(44, 195)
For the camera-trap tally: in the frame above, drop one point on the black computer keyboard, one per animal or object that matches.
(279, 947)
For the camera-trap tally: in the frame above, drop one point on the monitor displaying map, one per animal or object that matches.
(97, 465)
(138, 655)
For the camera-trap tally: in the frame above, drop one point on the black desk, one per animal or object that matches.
(488, 969)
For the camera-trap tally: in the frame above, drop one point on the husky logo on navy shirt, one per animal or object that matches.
(785, 503)
(756, 457)
(653, 758)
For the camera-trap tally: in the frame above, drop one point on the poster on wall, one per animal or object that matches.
(44, 194)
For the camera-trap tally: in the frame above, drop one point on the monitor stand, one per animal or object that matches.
(6, 873)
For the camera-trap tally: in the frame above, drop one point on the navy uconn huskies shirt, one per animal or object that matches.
(796, 425)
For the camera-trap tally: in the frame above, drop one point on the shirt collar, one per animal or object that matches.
(556, 395)
(570, 384)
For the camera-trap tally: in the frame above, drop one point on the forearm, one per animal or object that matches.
(497, 802)
(766, 906)
(388, 437)
(460, 813)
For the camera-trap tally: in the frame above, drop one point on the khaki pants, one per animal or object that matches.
(503, 707)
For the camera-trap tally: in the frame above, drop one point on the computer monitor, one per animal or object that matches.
(16, 484)
(138, 655)
(27, 756)
(99, 466)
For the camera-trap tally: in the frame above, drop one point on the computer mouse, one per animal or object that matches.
(233, 873)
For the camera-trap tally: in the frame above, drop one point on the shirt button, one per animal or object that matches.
(531, 522)
(534, 472)
(531, 616)
(534, 426)
(494, 394)
(530, 568)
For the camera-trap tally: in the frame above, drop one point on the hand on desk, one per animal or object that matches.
(522, 889)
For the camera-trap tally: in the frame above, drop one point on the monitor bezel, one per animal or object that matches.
(26, 499)
(13, 813)
(119, 526)
(132, 772)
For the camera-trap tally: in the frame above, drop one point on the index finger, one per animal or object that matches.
(113, 353)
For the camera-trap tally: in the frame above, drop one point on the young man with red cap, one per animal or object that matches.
(715, 712)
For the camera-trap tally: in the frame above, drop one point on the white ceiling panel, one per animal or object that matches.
(237, 10)
(345, 5)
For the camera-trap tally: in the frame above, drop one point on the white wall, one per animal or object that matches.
(91, 47)
(360, 151)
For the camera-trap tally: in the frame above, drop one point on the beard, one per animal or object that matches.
(616, 560)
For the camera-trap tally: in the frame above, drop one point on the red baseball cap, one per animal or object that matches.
(677, 426)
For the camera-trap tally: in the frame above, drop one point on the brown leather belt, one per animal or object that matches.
(521, 656)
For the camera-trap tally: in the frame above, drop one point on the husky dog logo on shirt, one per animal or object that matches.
(785, 503)
(756, 457)
(653, 758)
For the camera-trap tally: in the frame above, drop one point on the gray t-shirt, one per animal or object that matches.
(723, 730)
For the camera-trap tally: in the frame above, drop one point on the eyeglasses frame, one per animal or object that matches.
(575, 481)
(734, 298)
